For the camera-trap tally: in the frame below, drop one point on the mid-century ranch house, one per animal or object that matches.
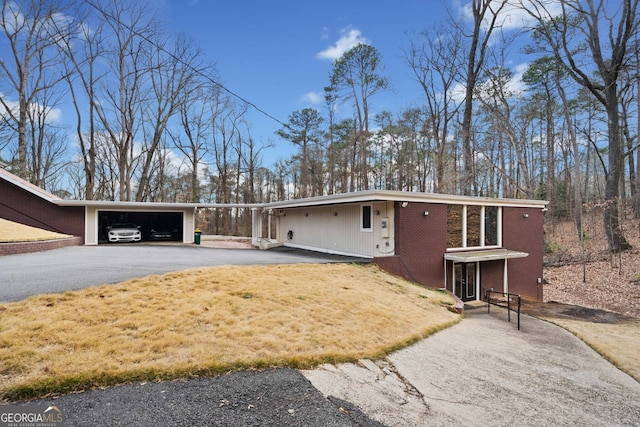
(466, 244)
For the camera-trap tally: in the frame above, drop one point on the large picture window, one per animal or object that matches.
(472, 226)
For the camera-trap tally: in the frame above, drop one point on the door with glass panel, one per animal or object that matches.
(464, 279)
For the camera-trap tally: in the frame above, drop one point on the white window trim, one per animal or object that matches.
(482, 230)
(370, 229)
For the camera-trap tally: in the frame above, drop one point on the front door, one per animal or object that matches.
(464, 278)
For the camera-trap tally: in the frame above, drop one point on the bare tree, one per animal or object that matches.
(509, 120)
(32, 66)
(433, 58)
(172, 76)
(122, 94)
(485, 21)
(83, 50)
(192, 136)
(580, 24)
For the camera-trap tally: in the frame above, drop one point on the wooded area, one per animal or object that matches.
(565, 129)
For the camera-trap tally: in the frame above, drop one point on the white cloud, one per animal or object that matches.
(458, 92)
(516, 86)
(53, 115)
(313, 98)
(348, 39)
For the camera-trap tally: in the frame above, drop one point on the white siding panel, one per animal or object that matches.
(337, 229)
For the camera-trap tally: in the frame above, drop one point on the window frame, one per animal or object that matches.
(482, 231)
(363, 207)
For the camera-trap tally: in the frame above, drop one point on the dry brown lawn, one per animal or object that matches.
(14, 232)
(612, 284)
(207, 321)
(617, 342)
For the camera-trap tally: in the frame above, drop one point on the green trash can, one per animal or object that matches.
(196, 236)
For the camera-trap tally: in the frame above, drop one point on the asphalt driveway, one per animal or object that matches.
(78, 267)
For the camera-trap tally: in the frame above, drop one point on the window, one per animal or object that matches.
(367, 220)
(454, 226)
(471, 226)
(490, 226)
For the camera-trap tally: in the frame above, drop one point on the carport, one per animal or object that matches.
(178, 219)
(157, 225)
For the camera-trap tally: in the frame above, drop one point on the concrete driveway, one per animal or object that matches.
(78, 267)
(484, 372)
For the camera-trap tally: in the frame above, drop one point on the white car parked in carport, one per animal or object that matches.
(124, 232)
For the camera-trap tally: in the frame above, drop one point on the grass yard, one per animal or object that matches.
(14, 232)
(209, 321)
(619, 342)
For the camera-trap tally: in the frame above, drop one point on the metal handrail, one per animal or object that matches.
(508, 306)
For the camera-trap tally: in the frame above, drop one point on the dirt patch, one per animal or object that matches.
(227, 244)
(586, 274)
(555, 310)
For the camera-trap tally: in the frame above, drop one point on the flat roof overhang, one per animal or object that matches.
(102, 205)
(484, 255)
(405, 196)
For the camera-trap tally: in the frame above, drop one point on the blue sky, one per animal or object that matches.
(278, 54)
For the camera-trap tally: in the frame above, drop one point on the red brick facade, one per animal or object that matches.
(21, 206)
(421, 242)
(47, 245)
(522, 231)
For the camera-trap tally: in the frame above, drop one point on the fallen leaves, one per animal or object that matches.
(593, 277)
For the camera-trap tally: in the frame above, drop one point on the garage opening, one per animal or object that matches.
(154, 226)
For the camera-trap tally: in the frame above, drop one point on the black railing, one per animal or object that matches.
(500, 303)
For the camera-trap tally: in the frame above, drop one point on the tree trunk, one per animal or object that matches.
(615, 237)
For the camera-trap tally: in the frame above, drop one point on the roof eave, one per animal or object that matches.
(402, 196)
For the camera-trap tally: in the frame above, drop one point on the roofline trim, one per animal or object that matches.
(102, 204)
(26, 185)
(403, 196)
(355, 197)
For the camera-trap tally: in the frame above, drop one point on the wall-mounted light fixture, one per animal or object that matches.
(525, 215)
(425, 213)
(404, 204)
(335, 214)
(376, 212)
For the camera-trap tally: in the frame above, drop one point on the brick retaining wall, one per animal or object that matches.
(44, 245)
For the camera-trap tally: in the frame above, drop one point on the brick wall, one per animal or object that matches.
(421, 241)
(522, 231)
(19, 205)
(46, 245)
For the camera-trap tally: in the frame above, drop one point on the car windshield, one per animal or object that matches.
(124, 225)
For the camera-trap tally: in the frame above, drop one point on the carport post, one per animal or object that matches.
(256, 226)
